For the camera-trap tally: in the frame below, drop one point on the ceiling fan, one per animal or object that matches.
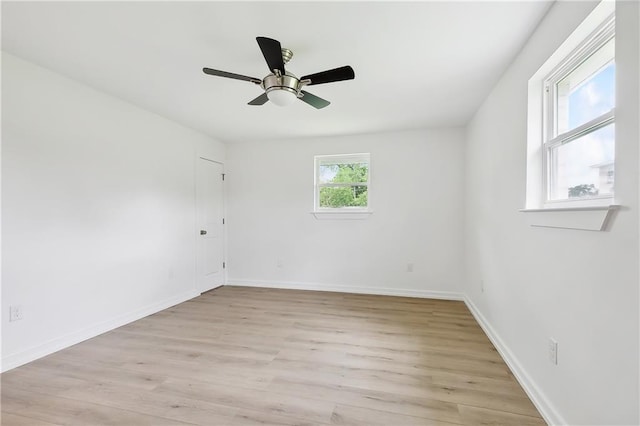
(282, 87)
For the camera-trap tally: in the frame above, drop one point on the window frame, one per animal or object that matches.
(596, 40)
(345, 159)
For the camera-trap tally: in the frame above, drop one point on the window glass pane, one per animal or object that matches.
(343, 173)
(343, 196)
(588, 91)
(583, 167)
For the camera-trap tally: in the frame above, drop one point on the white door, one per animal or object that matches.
(209, 216)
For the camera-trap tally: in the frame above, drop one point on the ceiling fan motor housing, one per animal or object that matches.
(287, 82)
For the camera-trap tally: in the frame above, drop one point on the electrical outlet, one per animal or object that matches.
(15, 313)
(481, 286)
(279, 263)
(553, 351)
(409, 267)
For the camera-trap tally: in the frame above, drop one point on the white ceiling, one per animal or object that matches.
(417, 64)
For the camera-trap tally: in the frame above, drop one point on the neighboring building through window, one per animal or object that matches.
(342, 182)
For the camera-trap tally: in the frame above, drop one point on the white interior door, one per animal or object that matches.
(209, 204)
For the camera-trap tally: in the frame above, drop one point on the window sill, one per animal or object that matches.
(342, 215)
(595, 218)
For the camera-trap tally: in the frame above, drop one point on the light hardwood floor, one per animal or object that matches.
(244, 356)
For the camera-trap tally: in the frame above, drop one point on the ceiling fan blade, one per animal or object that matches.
(313, 100)
(260, 100)
(231, 75)
(272, 52)
(329, 76)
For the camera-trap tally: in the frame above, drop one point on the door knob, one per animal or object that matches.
(203, 232)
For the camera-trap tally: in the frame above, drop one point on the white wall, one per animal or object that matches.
(98, 211)
(579, 287)
(416, 194)
(98, 225)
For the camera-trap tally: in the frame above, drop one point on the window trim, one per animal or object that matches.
(341, 212)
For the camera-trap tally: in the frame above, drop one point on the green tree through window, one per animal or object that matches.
(585, 190)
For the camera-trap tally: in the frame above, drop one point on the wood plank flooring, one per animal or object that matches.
(245, 356)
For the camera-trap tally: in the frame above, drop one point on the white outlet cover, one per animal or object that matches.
(553, 351)
(15, 313)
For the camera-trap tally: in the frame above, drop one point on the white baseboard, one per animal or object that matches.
(39, 351)
(544, 406)
(427, 294)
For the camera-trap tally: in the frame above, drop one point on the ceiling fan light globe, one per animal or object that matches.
(281, 97)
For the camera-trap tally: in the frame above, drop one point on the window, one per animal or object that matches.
(579, 121)
(342, 183)
(571, 129)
